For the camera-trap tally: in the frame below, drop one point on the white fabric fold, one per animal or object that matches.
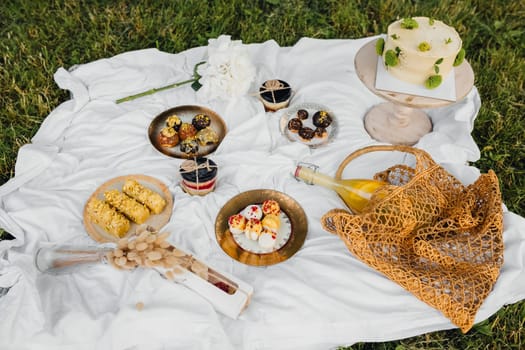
(322, 297)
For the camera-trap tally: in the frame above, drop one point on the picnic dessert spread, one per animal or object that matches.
(198, 176)
(420, 50)
(275, 94)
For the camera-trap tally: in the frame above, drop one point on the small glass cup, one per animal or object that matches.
(64, 259)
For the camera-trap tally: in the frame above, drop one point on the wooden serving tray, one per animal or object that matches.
(155, 220)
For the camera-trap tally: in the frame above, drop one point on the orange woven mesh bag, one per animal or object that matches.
(437, 238)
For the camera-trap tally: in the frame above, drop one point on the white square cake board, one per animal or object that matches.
(387, 82)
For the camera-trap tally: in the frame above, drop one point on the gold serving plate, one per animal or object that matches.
(292, 209)
(186, 114)
(155, 220)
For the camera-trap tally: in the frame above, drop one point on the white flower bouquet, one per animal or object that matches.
(228, 72)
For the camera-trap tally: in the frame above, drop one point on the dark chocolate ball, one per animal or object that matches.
(201, 121)
(302, 114)
(294, 125)
(320, 132)
(306, 133)
(322, 119)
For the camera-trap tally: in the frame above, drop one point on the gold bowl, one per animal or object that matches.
(292, 209)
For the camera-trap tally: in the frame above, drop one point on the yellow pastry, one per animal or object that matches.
(270, 206)
(107, 217)
(144, 195)
(253, 229)
(128, 206)
(271, 222)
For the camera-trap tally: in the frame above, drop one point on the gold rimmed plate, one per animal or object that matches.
(311, 109)
(186, 114)
(155, 220)
(290, 238)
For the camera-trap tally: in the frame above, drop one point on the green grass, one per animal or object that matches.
(38, 37)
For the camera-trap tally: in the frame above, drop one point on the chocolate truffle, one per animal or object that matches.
(174, 122)
(302, 114)
(207, 136)
(186, 131)
(294, 124)
(201, 121)
(306, 133)
(320, 132)
(189, 146)
(322, 119)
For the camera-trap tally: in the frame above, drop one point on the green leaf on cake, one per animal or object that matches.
(391, 58)
(431, 21)
(436, 67)
(459, 57)
(409, 23)
(394, 36)
(448, 41)
(380, 46)
(424, 46)
(433, 81)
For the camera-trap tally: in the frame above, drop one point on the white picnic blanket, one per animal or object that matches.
(320, 298)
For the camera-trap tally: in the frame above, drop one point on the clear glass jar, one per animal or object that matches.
(69, 258)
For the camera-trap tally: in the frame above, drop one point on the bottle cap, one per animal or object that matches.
(301, 165)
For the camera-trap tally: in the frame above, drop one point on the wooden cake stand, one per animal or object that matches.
(401, 120)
